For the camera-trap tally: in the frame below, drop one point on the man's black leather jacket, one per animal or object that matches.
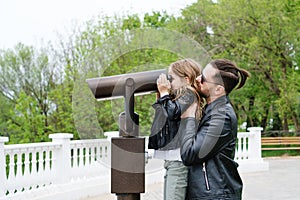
(209, 151)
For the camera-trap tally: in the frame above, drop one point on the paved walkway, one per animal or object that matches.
(282, 181)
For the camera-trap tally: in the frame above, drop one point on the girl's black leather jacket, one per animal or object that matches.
(168, 138)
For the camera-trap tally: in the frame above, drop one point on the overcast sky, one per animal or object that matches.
(29, 21)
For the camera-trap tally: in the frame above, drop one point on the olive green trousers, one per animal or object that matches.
(175, 180)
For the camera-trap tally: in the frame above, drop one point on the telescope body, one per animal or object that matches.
(114, 86)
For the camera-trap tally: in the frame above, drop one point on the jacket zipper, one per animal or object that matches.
(167, 129)
(205, 176)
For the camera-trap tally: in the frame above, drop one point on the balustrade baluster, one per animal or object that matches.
(100, 153)
(71, 158)
(33, 163)
(87, 156)
(26, 169)
(77, 157)
(12, 170)
(92, 154)
(238, 150)
(19, 172)
(81, 157)
(106, 151)
(245, 153)
(46, 161)
(39, 162)
(19, 165)
(95, 150)
(241, 148)
(33, 173)
(44, 154)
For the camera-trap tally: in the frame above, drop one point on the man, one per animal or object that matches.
(209, 148)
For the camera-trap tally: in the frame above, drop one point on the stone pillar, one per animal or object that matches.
(255, 143)
(2, 167)
(255, 161)
(62, 157)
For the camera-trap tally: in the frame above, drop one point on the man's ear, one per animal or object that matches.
(220, 90)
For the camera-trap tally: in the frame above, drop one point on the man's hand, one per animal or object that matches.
(190, 112)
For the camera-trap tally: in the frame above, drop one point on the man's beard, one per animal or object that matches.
(201, 94)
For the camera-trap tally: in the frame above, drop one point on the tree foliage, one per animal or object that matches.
(44, 90)
(262, 37)
(27, 77)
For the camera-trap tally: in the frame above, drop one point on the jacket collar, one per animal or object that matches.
(213, 105)
(216, 103)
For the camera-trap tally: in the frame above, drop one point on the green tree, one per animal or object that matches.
(27, 122)
(5, 114)
(260, 36)
(27, 77)
(104, 48)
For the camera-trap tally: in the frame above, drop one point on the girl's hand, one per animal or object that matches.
(163, 85)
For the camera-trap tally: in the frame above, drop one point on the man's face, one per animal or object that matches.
(206, 82)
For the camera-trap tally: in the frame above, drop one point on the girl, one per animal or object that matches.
(176, 92)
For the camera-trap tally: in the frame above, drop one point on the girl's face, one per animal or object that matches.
(176, 81)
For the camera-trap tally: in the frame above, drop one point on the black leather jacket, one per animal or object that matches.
(174, 108)
(209, 152)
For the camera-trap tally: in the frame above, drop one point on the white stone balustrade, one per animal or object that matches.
(59, 168)
(248, 151)
(75, 169)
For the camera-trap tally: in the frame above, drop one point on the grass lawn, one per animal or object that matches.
(271, 153)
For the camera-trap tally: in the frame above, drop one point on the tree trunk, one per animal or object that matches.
(285, 124)
(296, 123)
(264, 121)
(252, 120)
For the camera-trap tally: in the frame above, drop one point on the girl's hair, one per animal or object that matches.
(190, 69)
(229, 74)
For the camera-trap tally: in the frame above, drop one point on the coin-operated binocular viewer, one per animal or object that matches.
(127, 150)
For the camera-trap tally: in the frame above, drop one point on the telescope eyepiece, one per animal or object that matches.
(170, 78)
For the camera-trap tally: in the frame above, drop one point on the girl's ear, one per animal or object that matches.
(187, 80)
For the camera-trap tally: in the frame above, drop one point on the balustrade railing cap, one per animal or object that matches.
(4, 139)
(255, 129)
(61, 136)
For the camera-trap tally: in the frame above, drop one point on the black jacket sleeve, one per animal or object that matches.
(212, 136)
(174, 108)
